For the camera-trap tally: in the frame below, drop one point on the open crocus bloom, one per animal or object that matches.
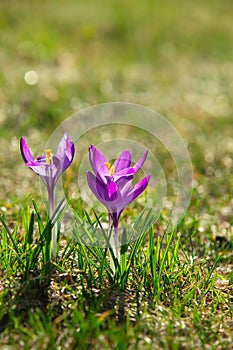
(112, 185)
(49, 167)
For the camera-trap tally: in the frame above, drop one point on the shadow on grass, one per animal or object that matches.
(115, 300)
(111, 303)
(30, 294)
(64, 294)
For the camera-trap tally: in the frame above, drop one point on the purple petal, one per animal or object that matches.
(45, 172)
(57, 169)
(98, 163)
(65, 152)
(112, 191)
(125, 173)
(124, 185)
(41, 169)
(41, 158)
(123, 161)
(104, 193)
(97, 187)
(140, 162)
(26, 154)
(100, 191)
(48, 172)
(138, 188)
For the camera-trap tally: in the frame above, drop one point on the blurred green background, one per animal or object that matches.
(176, 57)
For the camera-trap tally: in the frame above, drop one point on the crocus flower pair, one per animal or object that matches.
(111, 184)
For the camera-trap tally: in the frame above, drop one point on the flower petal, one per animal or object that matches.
(39, 168)
(125, 173)
(48, 172)
(112, 191)
(100, 191)
(57, 169)
(65, 152)
(44, 171)
(140, 162)
(138, 188)
(98, 163)
(123, 161)
(97, 187)
(26, 154)
(124, 185)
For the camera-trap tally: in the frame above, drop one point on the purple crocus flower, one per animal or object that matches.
(112, 184)
(49, 167)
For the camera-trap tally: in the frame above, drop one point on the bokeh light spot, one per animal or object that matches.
(31, 77)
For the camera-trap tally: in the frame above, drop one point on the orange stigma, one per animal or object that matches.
(48, 156)
(110, 168)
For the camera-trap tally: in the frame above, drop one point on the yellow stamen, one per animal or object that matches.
(48, 156)
(110, 168)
